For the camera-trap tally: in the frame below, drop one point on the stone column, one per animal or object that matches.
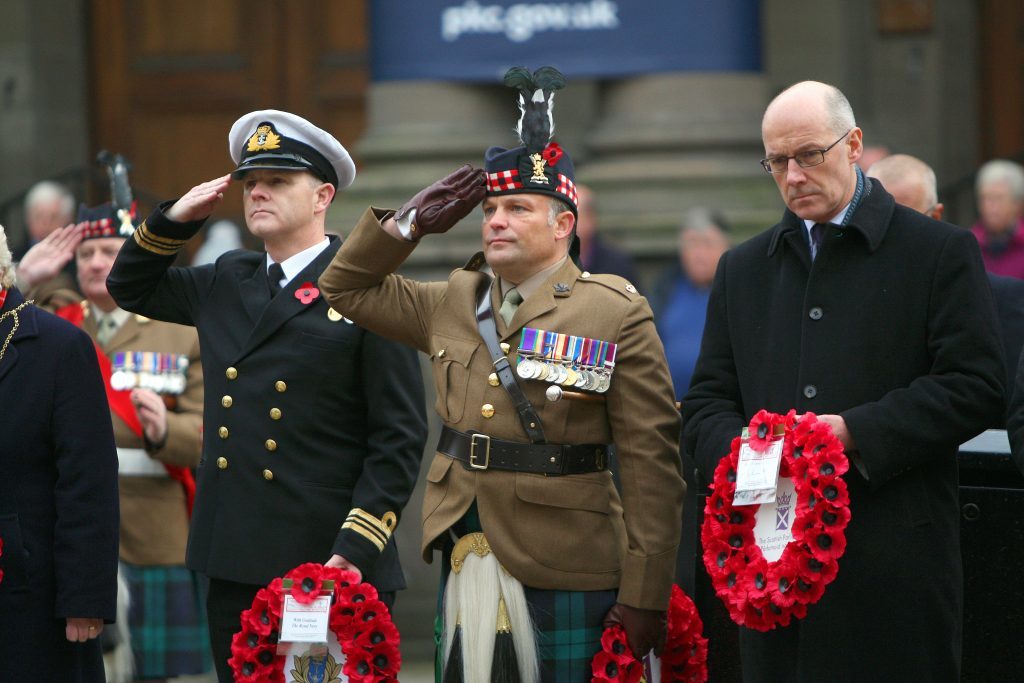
(669, 142)
(43, 118)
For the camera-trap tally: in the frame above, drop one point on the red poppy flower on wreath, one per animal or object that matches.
(307, 582)
(684, 658)
(307, 293)
(609, 668)
(763, 594)
(358, 619)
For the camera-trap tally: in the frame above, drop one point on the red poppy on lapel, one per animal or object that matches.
(307, 293)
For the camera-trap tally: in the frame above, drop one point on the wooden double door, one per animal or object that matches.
(169, 79)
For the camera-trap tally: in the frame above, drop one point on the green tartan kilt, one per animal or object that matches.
(167, 621)
(567, 624)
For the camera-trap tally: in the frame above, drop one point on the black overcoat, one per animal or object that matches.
(894, 328)
(307, 417)
(58, 499)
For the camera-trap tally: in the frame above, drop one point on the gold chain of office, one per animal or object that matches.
(14, 314)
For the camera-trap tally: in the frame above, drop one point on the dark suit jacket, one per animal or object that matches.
(894, 328)
(58, 498)
(311, 423)
(1009, 296)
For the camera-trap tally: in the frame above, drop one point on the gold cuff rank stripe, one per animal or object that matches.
(165, 246)
(376, 531)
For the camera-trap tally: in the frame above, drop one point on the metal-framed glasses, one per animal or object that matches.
(812, 157)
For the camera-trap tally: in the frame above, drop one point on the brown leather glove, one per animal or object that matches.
(446, 202)
(645, 628)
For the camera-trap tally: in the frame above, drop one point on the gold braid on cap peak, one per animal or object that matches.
(376, 531)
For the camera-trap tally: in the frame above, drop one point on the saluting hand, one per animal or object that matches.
(199, 202)
(152, 413)
(49, 256)
(446, 202)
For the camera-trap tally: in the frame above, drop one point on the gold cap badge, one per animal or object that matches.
(264, 138)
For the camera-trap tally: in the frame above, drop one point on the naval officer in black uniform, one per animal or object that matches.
(314, 428)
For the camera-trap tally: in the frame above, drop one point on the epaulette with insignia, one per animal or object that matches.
(476, 262)
(612, 282)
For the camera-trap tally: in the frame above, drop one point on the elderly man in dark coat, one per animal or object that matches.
(58, 496)
(879, 320)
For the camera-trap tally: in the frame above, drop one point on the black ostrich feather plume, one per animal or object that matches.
(536, 103)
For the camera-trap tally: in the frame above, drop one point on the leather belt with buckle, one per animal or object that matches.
(482, 452)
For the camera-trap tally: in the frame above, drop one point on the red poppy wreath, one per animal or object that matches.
(762, 594)
(683, 660)
(358, 619)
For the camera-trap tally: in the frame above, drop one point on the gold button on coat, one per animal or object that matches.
(504, 347)
(222, 463)
(223, 432)
(487, 410)
(275, 413)
(271, 445)
(231, 373)
(268, 475)
(280, 386)
(440, 354)
(226, 401)
(493, 380)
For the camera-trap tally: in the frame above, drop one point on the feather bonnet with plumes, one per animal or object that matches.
(536, 104)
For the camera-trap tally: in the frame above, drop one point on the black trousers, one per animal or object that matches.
(225, 601)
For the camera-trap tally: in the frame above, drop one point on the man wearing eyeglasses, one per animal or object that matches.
(878, 319)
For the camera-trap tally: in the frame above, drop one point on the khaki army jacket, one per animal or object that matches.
(154, 516)
(572, 532)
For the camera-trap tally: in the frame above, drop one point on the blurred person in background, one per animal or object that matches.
(1000, 227)
(680, 298)
(912, 183)
(49, 206)
(597, 255)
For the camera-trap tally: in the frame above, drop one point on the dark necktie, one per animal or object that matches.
(817, 238)
(274, 275)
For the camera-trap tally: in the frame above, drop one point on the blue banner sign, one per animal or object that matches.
(477, 40)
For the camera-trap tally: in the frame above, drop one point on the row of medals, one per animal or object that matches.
(171, 381)
(587, 379)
